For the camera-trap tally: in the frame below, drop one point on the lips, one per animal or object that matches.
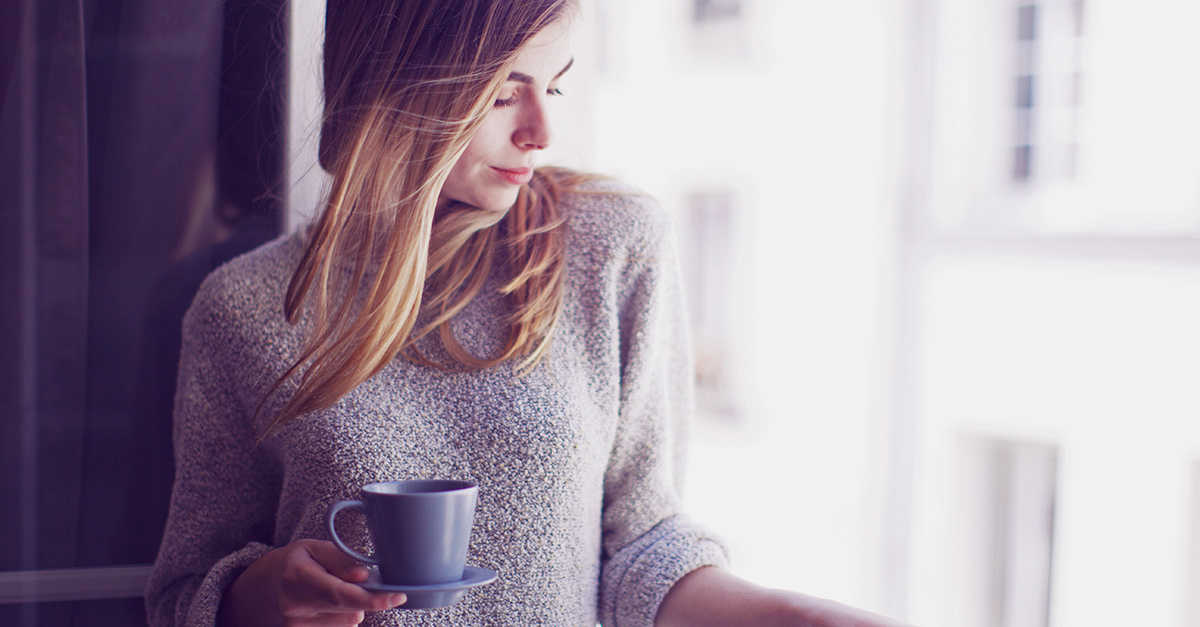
(516, 176)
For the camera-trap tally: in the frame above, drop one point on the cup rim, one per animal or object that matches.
(423, 487)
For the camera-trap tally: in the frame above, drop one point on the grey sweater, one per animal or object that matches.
(578, 462)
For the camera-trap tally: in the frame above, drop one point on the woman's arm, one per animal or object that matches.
(712, 597)
(647, 543)
(225, 493)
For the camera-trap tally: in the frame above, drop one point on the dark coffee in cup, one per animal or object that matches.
(420, 529)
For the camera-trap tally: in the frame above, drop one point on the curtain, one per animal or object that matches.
(142, 146)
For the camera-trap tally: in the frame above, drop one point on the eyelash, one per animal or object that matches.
(508, 102)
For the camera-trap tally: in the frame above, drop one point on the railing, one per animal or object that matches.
(73, 584)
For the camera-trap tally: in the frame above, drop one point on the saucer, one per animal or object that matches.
(432, 595)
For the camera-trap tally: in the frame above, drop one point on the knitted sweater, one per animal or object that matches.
(578, 462)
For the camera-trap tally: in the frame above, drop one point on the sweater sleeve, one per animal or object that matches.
(225, 491)
(648, 543)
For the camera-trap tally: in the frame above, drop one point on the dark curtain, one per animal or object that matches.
(142, 146)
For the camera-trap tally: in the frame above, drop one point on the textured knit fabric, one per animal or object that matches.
(578, 461)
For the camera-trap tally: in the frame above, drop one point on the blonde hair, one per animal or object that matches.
(407, 83)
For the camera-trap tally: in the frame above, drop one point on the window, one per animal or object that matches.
(709, 229)
(1063, 118)
(1047, 84)
(108, 232)
(1009, 492)
(1191, 609)
(719, 31)
(711, 11)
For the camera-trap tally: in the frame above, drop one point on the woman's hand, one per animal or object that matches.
(309, 583)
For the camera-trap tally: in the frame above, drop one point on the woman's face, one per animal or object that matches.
(500, 157)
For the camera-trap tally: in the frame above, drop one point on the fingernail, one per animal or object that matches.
(398, 599)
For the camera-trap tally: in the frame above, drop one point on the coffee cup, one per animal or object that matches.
(420, 529)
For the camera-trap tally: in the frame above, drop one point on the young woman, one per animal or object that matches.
(452, 313)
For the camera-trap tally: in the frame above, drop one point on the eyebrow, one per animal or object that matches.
(528, 80)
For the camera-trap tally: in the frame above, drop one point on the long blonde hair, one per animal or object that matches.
(407, 83)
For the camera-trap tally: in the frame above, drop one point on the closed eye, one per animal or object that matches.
(513, 99)
(526, 79)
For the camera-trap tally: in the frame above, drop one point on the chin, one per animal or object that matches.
(499, 200)
(498, 203)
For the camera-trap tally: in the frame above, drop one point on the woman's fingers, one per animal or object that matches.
(331, 593)
(304, 583)
(331, 578)
(333, 560)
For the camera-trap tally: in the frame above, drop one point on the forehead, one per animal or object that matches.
(547, 53)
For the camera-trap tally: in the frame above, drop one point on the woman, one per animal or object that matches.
(452, 313)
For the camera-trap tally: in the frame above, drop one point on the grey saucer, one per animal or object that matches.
(434, 595)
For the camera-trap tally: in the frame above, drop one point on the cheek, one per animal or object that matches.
(489, 142)
(468, 163)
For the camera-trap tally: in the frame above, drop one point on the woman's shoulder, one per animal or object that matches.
(612, 213)
(252, 283)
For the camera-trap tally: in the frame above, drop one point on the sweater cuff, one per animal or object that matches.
(636, 580)
(207, 600)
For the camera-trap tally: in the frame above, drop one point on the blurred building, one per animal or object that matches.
(1052, 294)
(942, 263)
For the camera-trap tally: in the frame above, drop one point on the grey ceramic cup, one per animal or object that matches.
(420, 529)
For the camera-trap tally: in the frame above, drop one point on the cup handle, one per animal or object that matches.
(333, 511)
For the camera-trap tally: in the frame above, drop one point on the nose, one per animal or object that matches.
(533, 130)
